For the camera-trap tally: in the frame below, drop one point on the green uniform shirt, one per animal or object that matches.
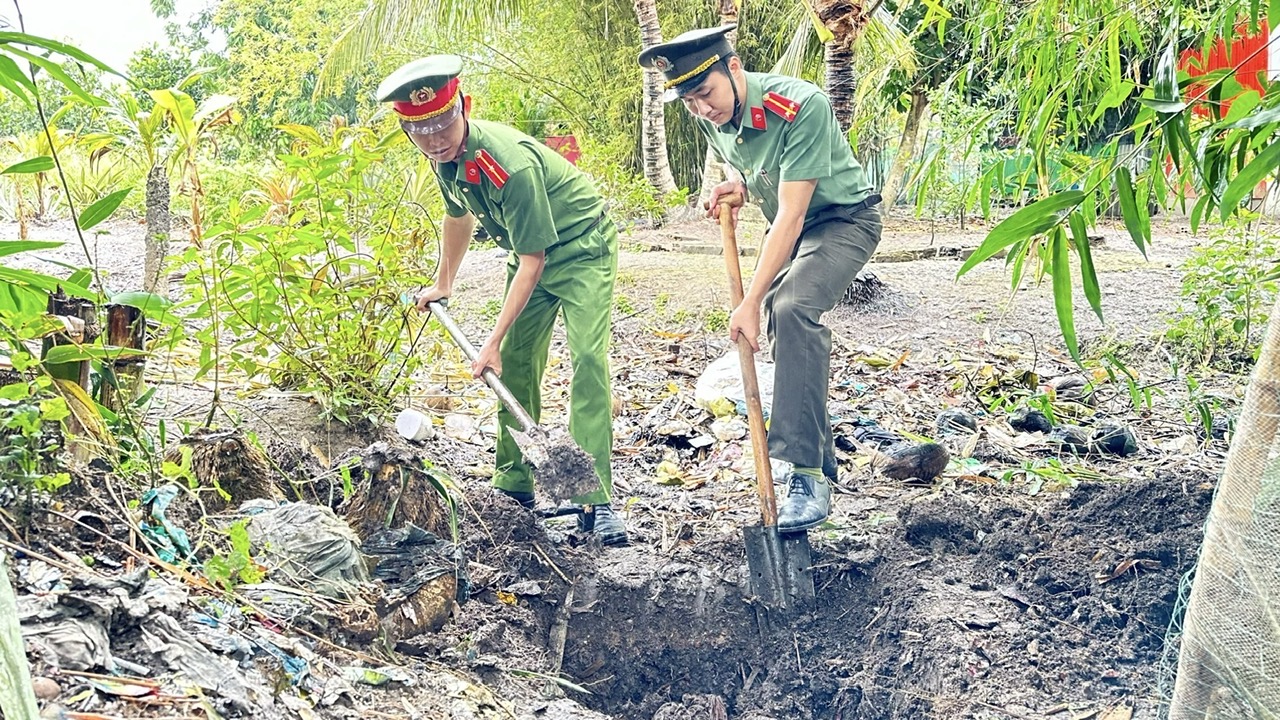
(526, 195)
(768, 150)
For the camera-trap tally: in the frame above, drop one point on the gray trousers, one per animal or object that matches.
(823, 265)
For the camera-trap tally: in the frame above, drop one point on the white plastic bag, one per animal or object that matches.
(720, 386)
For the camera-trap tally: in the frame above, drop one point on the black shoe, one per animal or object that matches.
(807, 505)
(604, 523)
(525, 498)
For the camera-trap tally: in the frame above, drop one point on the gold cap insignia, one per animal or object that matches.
(422, 96)
(661, 64)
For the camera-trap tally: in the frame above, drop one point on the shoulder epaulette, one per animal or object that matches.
(492, 170)
(784, 107)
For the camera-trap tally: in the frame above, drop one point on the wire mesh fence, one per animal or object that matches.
(1228, 640)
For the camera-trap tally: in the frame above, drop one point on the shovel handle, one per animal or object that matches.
(747, 358)
(490, 377)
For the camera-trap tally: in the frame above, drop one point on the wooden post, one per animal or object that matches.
(126, 328)
(84, 318)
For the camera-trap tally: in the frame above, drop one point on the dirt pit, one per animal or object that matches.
(963, 604)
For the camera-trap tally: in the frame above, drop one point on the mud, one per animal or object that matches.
(985, 604)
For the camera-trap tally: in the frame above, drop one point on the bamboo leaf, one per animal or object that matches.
(1198, 211)
(62, 354)
(58, 47)
(57, 73)
(1088, 274)
(14, 80)
(1062, 291)
(1166, 84)
(1262, 165)
(11, 247)
(40, 281)
(1034, 219)
(1164, 106)
(1136, 219)
(1256, 120)
(102, 209)
(44, 163)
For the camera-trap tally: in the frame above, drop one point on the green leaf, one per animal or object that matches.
(16, 391)
(10, 247)
(152, 306)
(1256, 120)
(144, 301)
(81, 276)
(61, 354)
(181, 109)
(102, 209)
(1115, 96)
(1088, 274)
(1034, 219)
(57, 73)
(1062, 291)
(44, 163)
(1166, 84)
(14, 80)
(1136, 219)
(1164, 106)
(1198, 210)
(40, 281)
(58, 47)
(1242, 105)
(1262, 165)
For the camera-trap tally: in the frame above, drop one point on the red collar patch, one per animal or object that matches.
(783, 107)
(757, 118)
(472, 172)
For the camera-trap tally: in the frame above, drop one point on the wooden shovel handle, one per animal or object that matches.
(746, 357)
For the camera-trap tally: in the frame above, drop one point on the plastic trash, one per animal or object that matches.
(171, 542)
(311, 546)
(721, 383)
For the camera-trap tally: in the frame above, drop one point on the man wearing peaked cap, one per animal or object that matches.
(783, 150)
(563, 259)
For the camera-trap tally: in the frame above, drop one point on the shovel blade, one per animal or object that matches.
(780, 569)
(564, 471)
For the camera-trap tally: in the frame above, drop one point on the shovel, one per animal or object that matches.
(779, 565)
(563, 469)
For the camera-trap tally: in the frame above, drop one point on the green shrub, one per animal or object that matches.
(312, 292)
(1228, 287)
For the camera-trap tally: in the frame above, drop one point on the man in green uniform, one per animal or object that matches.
(780, 137)
(563, 259)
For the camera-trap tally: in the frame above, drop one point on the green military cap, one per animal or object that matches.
(686, 60)
(424, 93)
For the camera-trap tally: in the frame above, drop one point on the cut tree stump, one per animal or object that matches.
(398, 512)
(391, 488)
(224, 461)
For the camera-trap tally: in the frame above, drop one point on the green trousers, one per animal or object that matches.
(577, 281)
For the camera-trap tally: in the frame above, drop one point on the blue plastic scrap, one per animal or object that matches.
(170, 541)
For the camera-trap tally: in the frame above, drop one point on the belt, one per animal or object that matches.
(841, 213)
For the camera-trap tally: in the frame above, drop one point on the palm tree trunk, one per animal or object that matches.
(906, 147)
(712, 172)
(653, 147)
(157, 247)
(839, 66)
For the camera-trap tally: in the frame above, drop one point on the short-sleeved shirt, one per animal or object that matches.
(526, 195)
(789, 132)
